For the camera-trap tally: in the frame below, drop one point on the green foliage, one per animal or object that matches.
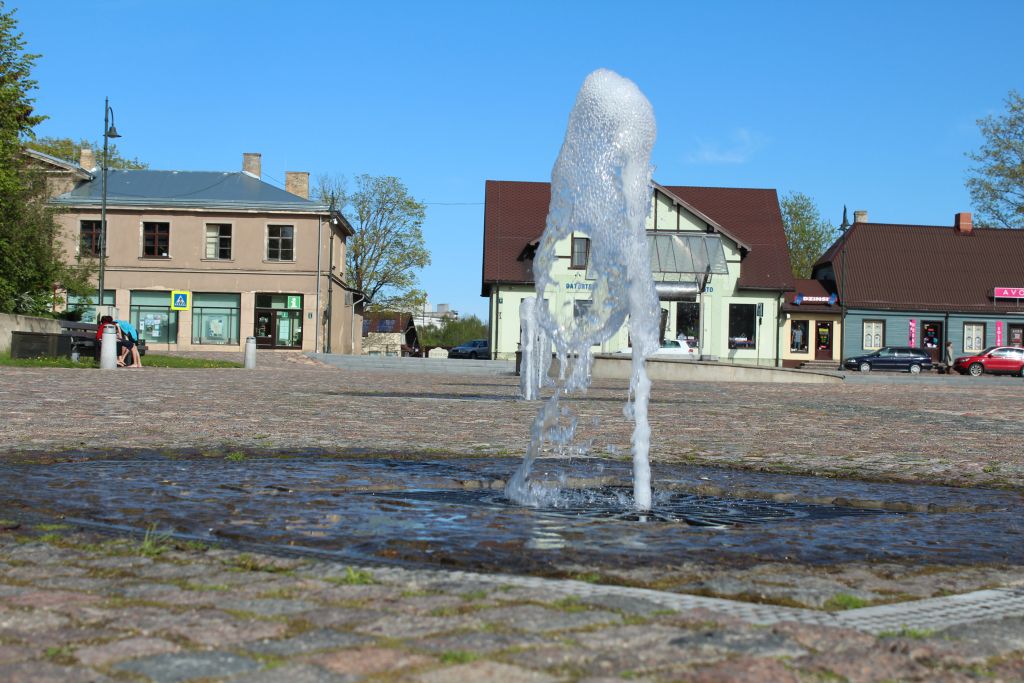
(807, 233)
(452, 332)
(388, 244)
(458, 657)
(66, 148)
(154, 544)
(996, 184)
(31, 262)
(841, 601)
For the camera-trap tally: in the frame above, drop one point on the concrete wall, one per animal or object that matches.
(23, 323)
(672, 370)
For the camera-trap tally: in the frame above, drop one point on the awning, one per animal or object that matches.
(686, 253)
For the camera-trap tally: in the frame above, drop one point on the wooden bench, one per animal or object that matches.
(83, 338)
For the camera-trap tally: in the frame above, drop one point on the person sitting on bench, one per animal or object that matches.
(129, 343)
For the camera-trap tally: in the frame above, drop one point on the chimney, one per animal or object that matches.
(860, 216)
(963, 223)
(297, 182)
(251, 163)
(86, 159)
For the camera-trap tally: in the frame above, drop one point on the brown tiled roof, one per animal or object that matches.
(927, 267)
(515, 213)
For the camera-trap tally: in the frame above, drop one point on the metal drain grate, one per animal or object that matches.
(612, 503)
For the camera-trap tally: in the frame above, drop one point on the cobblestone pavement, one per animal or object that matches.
(76, 606)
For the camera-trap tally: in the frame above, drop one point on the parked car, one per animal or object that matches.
(673, 348)
(996, 360)
(903, 358)
(478, 348)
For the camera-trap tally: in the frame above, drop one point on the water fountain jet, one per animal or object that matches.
(600, 189)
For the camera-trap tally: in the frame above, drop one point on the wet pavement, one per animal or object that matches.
(316, 523)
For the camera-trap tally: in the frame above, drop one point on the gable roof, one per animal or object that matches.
(515, 213)
(927, 267)
(198, 189)
(58, 163)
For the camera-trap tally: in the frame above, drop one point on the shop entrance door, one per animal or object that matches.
(278, 329)
(823, 340)
(1016, 333)
(931, 339)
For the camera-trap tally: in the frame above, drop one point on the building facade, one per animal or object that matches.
(254, 260)
(925, 285)
(811, 326)
(718, 257)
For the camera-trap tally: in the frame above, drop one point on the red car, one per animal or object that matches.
(996, 360)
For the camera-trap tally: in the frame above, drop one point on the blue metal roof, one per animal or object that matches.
(200, 189)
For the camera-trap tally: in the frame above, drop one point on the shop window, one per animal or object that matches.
(580, 252)
(974, 337)
(89, 238)
(742, 326)
(798, 336)
(156, 240)
(215, 318)
(874, 334)
(152, 316)
(85, 306)
(218, 241)
(280, 243)
(688, 320)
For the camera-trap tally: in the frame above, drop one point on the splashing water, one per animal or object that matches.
(601, 189)
(536, 352)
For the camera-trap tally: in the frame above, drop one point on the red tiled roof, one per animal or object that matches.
(927, 267)
(515, 214)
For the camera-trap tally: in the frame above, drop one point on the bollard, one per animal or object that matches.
(108, 348)
(250, 353)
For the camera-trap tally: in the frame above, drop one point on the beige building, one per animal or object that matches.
(253, 259)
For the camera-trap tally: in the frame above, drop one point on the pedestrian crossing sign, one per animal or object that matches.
(181, 301)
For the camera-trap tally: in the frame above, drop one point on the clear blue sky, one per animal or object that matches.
(868, 104)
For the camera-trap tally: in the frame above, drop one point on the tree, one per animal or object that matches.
(66, 148)
(31, 262)
(388, 243)
(997, 183)
(807, 233)
(452, 332)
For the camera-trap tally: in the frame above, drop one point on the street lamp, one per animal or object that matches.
(844, 228)
(109, 131)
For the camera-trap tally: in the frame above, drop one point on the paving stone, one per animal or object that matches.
(264, 607)
(342, 616)
(15, 653)
(46, 672)
(15, 622)
(207, 628)
(185, 666)
(745, 670)
(370, 660)
(484, 671)
(541, 619)
(481, 642)
(129, 648)
(310, 641)
(415, 626)
(46, 599)
(296, 673)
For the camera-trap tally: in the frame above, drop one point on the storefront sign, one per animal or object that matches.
(586, 286)
(801, 299)
(913, 333)
(294, 301)
(999, 333)
(1008, 293)
(181, 300)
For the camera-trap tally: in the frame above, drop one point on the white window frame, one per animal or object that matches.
(973, 334)
(874, 334)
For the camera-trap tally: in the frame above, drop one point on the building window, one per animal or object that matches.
(386, 325)
(798, 336)
(974, 337)
(90, 238)
(156, 240)
(581, 308)
(580, 252)
(152, 316)
(85, 307)
(215, 318)
(742, 326)
(280, 243)
(874, 334)
(218, 241)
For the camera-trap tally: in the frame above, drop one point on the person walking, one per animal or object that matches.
(948, 357)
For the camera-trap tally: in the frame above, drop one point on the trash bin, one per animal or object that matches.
(40, 344)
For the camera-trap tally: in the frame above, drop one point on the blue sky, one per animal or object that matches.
(867, 104)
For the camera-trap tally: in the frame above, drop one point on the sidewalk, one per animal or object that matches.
(76, 605)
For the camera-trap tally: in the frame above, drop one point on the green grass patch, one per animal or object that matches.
(152, 360)
(842, 601)
(914, 633)
(570, 603)
(157, 361)
(235, 456)
(154, 544)
(354, 577)
(458, 657)
(45, 362)
(52, 527)
(474, 595)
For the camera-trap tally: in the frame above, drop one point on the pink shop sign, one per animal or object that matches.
(999, 333)
(913, 332)
(1008, 293)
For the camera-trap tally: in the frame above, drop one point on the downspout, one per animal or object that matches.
(492, 323)
(330, 290)
(778, 328)
(319, 251)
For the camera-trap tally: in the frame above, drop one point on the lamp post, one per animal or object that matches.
(844, 228)
(109, 131)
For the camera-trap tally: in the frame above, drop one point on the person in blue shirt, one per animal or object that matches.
(129, 341)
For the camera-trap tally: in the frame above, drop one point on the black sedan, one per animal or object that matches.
(903, 358)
